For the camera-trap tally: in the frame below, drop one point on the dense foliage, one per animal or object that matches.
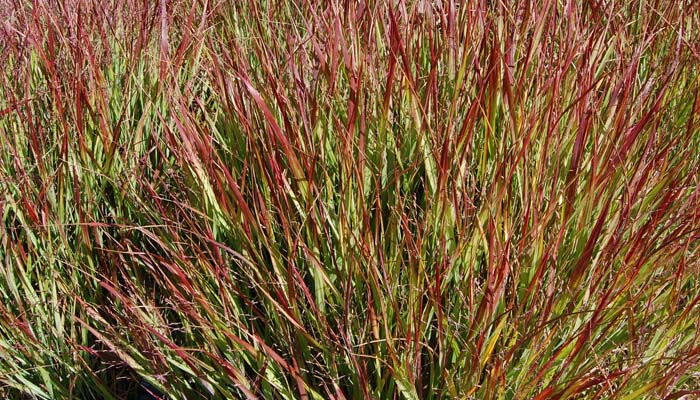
(349, 199)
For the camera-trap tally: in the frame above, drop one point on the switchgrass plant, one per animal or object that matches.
(349, 199)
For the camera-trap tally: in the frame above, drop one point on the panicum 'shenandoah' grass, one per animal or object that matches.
(405, 199)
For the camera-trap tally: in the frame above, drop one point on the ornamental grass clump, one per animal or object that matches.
(402, 199)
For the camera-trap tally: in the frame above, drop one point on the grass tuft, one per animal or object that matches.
(300, 200)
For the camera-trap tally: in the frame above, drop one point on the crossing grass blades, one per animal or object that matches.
(403, 199)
